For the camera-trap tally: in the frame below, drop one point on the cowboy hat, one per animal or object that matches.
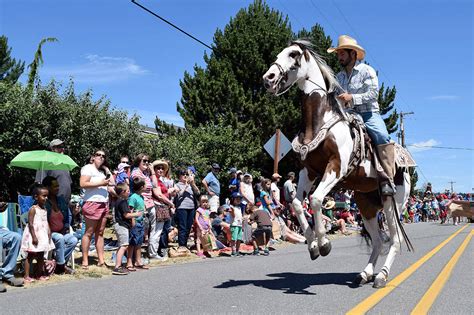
(330, 204)
(347, 42)
(161, 162)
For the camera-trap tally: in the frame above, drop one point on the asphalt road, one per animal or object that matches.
(287, 281)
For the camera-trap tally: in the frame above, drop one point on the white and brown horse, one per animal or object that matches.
(326, 146)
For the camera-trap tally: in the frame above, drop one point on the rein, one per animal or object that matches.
(284, 77)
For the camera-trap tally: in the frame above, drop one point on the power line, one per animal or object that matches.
(438, 147)
(291, 13)
(327, 20)
(171, 24)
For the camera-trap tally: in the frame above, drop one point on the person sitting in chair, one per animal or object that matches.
(11, 241)
(360, 84)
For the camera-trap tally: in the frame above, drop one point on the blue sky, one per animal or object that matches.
(116, 49)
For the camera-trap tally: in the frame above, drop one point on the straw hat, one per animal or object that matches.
(347, 42)
(330, 204)
(161, 162)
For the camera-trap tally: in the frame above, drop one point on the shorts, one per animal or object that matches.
(136, 235)
(122, 234)
(95, 210)
(236, 232)
(263, 230)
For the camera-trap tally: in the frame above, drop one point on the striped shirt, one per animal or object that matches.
(363, 84)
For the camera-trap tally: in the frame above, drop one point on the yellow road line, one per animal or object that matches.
(373, 299)
(430, 296)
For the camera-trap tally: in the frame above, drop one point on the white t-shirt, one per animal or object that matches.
(237, 218)
(275, 191)
(95, 194)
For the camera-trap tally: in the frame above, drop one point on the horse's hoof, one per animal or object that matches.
(362, 279)
(314, 253)
(379, 283)
(325, 249)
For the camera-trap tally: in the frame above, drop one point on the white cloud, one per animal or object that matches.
(147, 117)
(98, 69)
(443, 97)
(423, 145)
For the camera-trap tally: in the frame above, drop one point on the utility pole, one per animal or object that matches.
(451, 182)
(401, 134)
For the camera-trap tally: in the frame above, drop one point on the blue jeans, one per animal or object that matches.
(376, 127)
(65, 245)
(164, 234)
(11, 241)
(185, 218)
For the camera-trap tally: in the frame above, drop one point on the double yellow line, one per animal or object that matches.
(431, 295)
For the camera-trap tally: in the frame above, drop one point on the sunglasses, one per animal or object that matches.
(159, 168)
(145, 161)
(100, 155)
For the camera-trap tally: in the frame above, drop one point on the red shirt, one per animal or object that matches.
(56, 223)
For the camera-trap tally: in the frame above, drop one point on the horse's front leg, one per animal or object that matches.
(328, 182)
(304, 186)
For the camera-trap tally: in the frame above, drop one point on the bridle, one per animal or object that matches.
(284, 77)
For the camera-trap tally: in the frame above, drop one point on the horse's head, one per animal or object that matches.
(289, 67)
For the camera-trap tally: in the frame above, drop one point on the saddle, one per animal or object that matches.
(362, 148)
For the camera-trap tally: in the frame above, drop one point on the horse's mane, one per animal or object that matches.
(332, 85)
(327, 72)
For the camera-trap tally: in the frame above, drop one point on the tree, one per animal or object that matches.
(30, 119)
(37, 61)
(386, 103)
(10, 69)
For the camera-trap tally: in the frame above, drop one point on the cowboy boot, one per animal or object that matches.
(386, 153)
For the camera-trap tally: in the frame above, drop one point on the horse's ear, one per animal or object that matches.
(306, 55)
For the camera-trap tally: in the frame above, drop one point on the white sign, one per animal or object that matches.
(285, 146)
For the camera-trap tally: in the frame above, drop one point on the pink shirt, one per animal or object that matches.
(148, 193)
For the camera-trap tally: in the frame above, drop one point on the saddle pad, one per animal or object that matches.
(403, 157)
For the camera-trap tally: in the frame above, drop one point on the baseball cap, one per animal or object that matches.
(192, 169)
(216, 166)
(232, 170)
(122, 166)
(291, 174)
(55, 143)
(236, 195)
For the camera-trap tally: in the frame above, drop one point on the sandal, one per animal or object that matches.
(28, 279)
(131, 268)
(43, 278)
(85, 267)
(144, 267)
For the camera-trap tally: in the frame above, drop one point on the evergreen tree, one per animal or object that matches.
(37, 61)
(10, 69)
(386, 103)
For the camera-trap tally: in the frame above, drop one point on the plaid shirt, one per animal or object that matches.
(363, 84)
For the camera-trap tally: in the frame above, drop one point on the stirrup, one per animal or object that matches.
(386, 189)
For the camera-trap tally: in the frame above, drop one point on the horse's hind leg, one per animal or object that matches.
(396, 236)
(372, 227)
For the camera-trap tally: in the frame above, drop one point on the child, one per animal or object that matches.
(236, 223)
(264, 228)
(122, 174)
(137, 205)
(37, 237)
(203, 223)
(123, 224)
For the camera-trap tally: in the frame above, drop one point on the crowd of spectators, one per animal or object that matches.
(148, 207)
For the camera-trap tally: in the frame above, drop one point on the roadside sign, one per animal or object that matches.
(285, 146)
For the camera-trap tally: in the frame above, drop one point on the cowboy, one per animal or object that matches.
(360, 84)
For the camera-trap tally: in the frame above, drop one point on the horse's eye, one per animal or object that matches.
(294, 54)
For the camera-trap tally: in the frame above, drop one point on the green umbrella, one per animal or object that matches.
(43, 160)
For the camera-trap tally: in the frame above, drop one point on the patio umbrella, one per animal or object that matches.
(43, 160)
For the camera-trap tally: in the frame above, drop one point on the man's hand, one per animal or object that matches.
(345, 97)
(35, 241)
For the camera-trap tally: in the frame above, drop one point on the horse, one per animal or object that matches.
(326, 151)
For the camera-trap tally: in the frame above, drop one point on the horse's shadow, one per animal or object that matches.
(295, 283)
